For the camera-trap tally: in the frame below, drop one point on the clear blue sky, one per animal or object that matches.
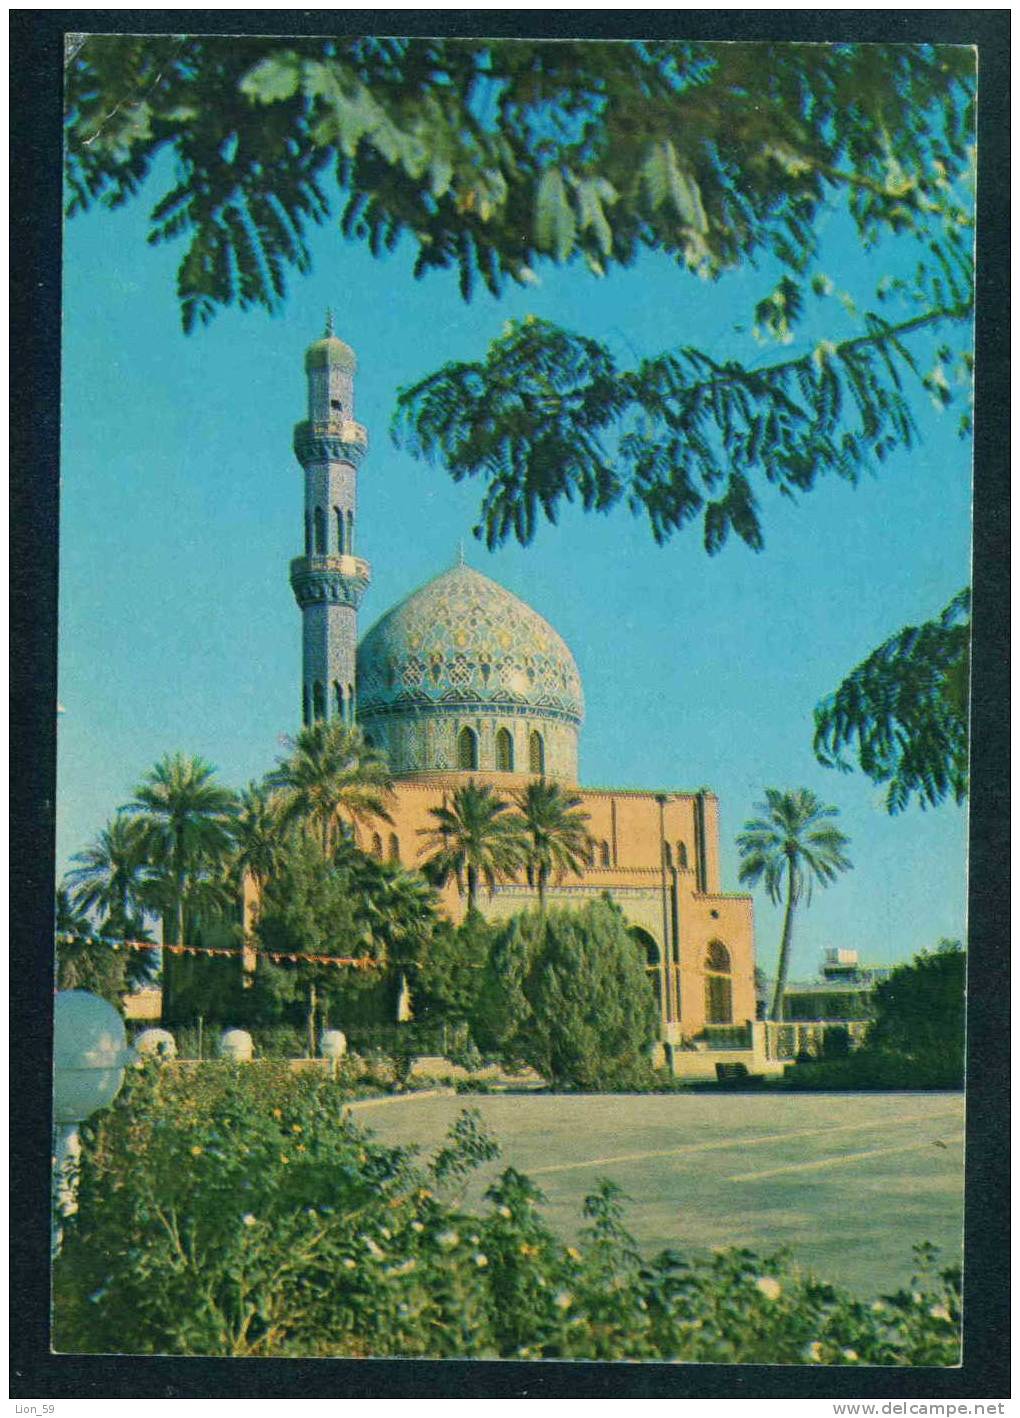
(182, 505)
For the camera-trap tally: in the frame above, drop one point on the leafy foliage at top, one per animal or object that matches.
(491, 158)
(905, 710)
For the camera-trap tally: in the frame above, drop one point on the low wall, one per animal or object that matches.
(700, 1063)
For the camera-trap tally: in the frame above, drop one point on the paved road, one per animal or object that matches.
(848, 1181)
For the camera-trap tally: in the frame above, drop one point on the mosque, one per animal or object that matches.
(463, 680)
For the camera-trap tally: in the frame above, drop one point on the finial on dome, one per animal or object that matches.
(460, 553)
(329, 322)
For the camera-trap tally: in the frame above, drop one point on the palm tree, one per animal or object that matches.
(554, 832)
(331, 774)
(111, 877)
(791, 846)
(260, 836)
(84, 960)
(185, 819)
(473, 840)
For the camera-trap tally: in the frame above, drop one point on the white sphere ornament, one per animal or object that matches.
(236, 1044)
(156, 1043)
(332, 1044)
(90, 1054)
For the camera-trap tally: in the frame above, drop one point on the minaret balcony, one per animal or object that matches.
(332, 441)
(336, 580)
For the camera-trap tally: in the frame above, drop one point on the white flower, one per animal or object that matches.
(417, 1226)
(563, 1300)
(769, 1287)
(249, 1219)
(851, 1356)
(939, 1312)
(505, 1211)
(447, 1239)
(812, 1353)
(481, 1260)
(350, 1264)
(374, 1249)
(404, 1269)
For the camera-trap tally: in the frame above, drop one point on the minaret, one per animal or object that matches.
(329, 580)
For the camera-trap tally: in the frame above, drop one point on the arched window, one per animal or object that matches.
(592, 858)
(606, 859)
(320, 532)
(350, 534)
(650, 950)
(667, 852)
(681, 855)
(306, 706)
(337, 408)
(376, 845)
(308, 534)
(394, 847)
(718, 985)
(338, 699)
(318, 701)
(536, 753)
(718, 958)
(467, 749)
(504, 751)
(339, 531)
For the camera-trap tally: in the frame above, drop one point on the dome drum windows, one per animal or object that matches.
(319, 522)
(504, 751)
(536, 752)
(467, 749)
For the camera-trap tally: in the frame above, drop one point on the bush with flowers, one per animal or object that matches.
(240, 1211)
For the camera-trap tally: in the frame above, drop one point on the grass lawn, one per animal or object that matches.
(849, 1182)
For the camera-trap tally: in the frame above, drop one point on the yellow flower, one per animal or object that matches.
(284, 1159)
(296, 1127)
(769, 1287)
(527, 1250)
(277, 1112)
(196, 1151)
(301, 1147)
(573, 1253)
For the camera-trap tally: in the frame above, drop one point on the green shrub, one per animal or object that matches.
(870, 1068)
(567, 992)
(239, 1211)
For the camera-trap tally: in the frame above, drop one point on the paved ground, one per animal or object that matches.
(848, 1181)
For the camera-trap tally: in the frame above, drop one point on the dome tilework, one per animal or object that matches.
(463, 638)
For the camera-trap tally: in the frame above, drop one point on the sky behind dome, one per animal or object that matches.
(181, 506)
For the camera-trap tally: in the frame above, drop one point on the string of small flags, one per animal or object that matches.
(358, 962)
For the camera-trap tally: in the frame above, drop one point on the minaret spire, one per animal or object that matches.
(329, 580)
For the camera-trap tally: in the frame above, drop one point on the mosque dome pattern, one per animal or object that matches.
(464, 640)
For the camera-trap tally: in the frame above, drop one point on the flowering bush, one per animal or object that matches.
(240, 1211)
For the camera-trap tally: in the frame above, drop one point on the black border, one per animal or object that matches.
(36, 65)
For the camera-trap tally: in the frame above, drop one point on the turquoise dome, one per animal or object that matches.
(462, 639)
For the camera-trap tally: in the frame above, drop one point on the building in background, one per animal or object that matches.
(841, 993)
